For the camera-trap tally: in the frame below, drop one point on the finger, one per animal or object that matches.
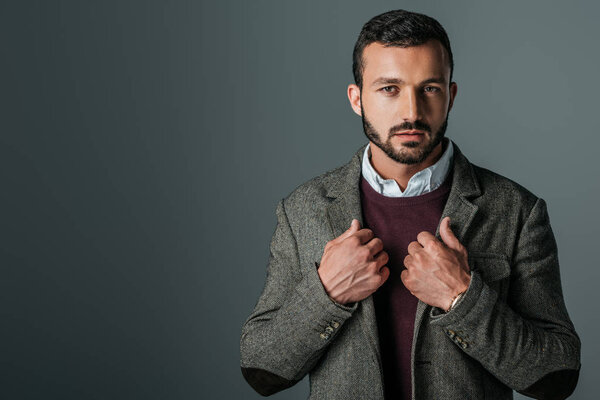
(384, 272)
(354, 227)
(404, 277)
(426, 239)
(375, 245)
(364, 235)
(381, 258)
(408, 261)
(448, 236)
(413, 247)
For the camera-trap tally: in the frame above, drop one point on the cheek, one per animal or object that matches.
(433, 105)
(388, 112)
(439, 106)
(380, 115)
(436, 111)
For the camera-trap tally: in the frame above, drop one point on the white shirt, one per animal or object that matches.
(422, 182)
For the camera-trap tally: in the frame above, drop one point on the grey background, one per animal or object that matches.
(145, 145)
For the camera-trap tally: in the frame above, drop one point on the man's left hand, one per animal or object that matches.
(436, 271)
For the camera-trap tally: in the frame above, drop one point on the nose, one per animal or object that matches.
(410, 105)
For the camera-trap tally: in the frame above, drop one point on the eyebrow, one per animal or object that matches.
(384, 80)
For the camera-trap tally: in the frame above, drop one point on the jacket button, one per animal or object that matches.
(335, 324)
(324, 336)
(329, 330)
(464, 345)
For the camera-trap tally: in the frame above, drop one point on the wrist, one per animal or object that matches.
(325, 284)
(460, 294)
(454, 301)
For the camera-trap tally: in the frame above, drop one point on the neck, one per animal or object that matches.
(388, 168)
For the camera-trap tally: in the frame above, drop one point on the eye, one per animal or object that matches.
(431, 89)
(389, 89)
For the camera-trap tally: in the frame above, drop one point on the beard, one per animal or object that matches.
(411, 152)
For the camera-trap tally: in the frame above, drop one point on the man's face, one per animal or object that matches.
(405, 99)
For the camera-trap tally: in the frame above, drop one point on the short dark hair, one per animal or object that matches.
(398, 28)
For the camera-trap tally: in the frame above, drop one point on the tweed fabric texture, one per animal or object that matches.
(510, 330)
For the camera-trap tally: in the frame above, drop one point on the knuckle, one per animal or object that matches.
(353, 240)
(418, 256)
(435, 249)
(364, 253)
(373, 268)
(405, 278)
(376, 280)
(429, 245)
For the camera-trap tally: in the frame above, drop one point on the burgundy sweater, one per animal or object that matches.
(397, 221)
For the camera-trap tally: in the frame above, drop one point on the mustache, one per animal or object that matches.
(420, 125)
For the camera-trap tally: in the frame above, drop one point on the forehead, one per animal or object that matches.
(407, 63)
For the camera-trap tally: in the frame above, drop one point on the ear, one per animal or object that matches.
(354, 97)
(453, 89)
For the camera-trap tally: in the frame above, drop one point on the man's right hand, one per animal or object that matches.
(353, 265)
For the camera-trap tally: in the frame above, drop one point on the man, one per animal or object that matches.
(410, 272)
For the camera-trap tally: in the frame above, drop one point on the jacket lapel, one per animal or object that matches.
(346, 205)
(461, 212)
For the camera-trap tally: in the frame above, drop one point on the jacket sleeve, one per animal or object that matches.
(293, 321)
(529, 342)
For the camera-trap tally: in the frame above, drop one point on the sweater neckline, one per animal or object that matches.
(435, 194)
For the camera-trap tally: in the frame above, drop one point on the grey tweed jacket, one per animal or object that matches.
(509, 331)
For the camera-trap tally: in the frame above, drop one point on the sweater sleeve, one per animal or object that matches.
(528, 342)
(293, 321)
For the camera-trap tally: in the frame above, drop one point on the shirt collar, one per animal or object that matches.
(422, 182)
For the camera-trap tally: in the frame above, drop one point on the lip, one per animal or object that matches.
(408, 137)
(410, 133)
